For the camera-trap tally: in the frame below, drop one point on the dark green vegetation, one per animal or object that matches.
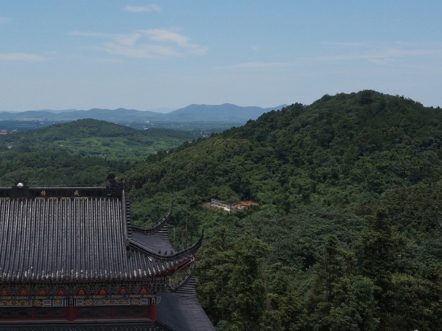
(80, 152)
(94, 138)
(344, 237)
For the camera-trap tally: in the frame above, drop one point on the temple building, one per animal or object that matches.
(71, 259)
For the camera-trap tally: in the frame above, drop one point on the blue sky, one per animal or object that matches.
(81, 54)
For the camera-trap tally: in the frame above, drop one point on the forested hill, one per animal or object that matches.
(344, 237)
(91, 137)
(87, 128)
(338, 150)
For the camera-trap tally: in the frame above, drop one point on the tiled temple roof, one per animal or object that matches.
(71, 238)
(188, 314)
(83, 234)
(155, 238)
(155, 241)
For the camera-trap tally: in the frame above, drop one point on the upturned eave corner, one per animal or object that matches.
(186, 253)
(158, 226)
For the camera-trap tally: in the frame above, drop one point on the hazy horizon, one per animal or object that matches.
(142, 55)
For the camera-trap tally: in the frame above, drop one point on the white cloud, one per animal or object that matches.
(141, 51)
(143, 9)
(20, 57)
(396, 54)
(152, 44)
(127, 39)
(166, 36)
(259, 65)
(90, 34)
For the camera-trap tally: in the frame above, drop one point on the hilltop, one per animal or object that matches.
(336, 150)
(95, 138)
(344, 236)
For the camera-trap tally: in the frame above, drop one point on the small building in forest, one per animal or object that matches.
(229, 207)
(71, 259)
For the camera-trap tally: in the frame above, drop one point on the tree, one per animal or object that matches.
(232, 285)
(378, 255)
(245, 288)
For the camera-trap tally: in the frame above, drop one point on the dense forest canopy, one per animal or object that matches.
(80, 152)
(344, 237)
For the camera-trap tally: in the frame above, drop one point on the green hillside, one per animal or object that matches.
(344, 237)
(94, 138)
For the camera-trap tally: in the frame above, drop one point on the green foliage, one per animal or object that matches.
(53, 168)
(233, 282)
(356, 307)
(347, 189)
(94, 138)
(344, 237)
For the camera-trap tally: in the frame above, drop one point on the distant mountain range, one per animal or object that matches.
(193, 113)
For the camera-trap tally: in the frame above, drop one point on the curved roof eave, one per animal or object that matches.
(157, 226)
(185, 253)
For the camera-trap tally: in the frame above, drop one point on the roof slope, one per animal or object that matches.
(53, 234)
(80, 238)
(188, 314)
(155, 238)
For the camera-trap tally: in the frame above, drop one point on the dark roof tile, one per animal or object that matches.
(188, 315)
(69, 239)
